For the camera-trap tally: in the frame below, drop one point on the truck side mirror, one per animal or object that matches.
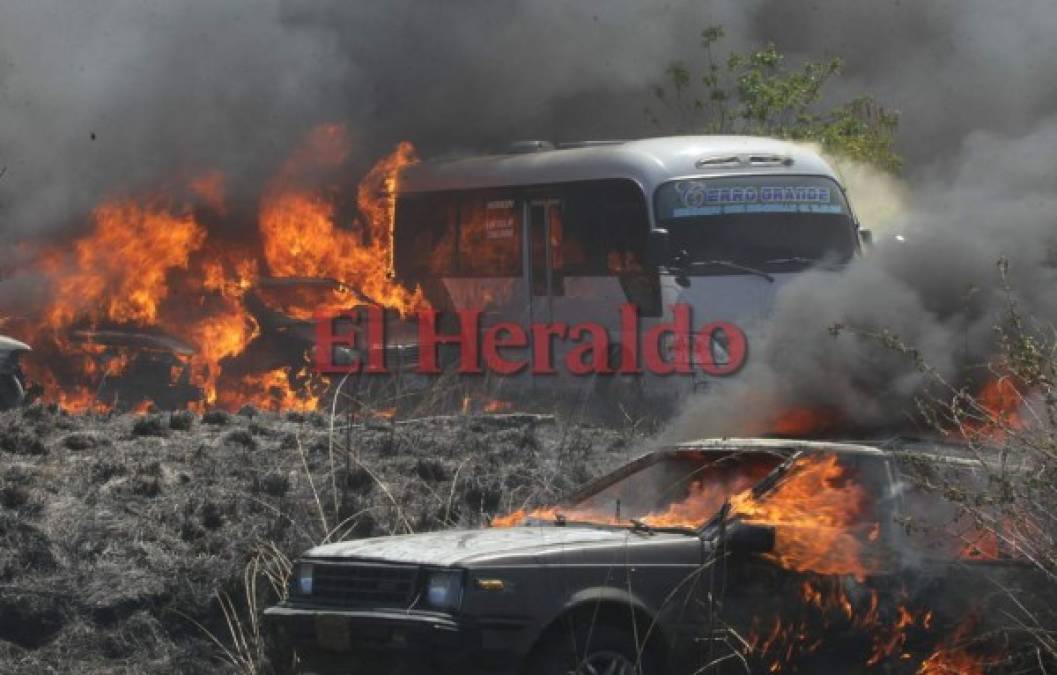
(745, 538)
(866, 238)
(658, 247)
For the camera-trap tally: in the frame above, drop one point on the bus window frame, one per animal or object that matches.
(522, 197)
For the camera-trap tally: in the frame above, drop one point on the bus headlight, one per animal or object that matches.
(444, 589)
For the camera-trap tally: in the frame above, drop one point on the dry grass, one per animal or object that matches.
(128, 551)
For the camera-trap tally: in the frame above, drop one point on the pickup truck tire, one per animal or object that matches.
(599, 650)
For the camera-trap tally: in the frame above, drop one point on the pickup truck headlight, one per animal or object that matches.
(444, 589)
(303, 578)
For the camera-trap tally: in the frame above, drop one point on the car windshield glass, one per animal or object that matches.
(678, 490)
(771, 223)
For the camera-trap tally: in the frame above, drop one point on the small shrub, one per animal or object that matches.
(181, 420)
(19, 442)
(81, 441)
(13, 496)
(104, 470)
(149, 425)
(217, 418)
(432, 471)
(145, 486)
(210, 516)
(240, 437)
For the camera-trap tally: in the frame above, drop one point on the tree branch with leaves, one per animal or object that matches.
(757, 93)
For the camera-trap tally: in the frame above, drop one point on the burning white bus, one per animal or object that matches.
(569, 233)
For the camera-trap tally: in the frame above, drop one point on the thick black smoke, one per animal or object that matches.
(121, 94)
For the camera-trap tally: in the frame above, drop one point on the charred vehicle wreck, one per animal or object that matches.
(732, 555)
(135, 366)
(285, 310)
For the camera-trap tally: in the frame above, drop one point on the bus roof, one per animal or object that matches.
(648, 162)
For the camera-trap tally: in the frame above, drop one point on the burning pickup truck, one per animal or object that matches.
(721, 555)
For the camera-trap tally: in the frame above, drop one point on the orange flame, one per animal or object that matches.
(517, 517)
(827, 609)
(299, 231)
(706, 497)
(148, 265)
(822, 518)
(1000, 403)
(1000, 398)
(953, 656)
(120, 271)
(273, 390)
(496, 405)
(803, 423)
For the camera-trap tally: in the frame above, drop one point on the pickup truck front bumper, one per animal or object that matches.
(334, 640)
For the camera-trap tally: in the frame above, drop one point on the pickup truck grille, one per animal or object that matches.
(364, 584)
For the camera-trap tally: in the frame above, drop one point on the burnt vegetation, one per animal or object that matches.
(150, 543)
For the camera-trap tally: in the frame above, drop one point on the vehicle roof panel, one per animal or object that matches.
(649, 162)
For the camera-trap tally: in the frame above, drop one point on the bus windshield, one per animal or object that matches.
(771, 222)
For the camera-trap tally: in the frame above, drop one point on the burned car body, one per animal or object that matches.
(318, 327)
(286, 311)
(137, 366)
(675, 563)
(12, 380)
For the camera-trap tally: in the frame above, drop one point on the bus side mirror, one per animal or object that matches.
(866, 239)
(658, 248)
(745, 538)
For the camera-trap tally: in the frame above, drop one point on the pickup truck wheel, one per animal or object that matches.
(590, 650)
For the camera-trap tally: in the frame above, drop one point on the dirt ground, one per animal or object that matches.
(118, 532)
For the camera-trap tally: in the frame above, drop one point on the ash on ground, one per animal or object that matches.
(120, 534)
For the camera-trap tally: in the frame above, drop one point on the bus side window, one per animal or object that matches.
(489, 235)
(605, 229)
(424, 236)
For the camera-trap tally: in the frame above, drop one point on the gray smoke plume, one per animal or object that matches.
(939, 291)
(979, 132)
(952, 67)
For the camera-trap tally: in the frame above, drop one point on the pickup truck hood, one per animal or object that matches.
(459, 547)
